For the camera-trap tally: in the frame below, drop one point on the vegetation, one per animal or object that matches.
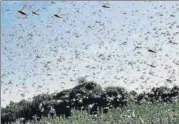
(146, 113)
(88, 103)
(158, 113)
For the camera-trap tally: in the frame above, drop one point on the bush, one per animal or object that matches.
(115, 91)
(63, 94)
(89, 87)
(81, 80)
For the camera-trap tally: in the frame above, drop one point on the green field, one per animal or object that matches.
(132, 114)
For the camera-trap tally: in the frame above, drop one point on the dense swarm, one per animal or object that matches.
(136, 51)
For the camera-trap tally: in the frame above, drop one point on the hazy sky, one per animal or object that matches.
(47, 54)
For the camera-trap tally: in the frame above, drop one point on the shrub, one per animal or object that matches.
(115, 91)
(89, 87)
(63, 94)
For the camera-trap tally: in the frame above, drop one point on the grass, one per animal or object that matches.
(159, 113)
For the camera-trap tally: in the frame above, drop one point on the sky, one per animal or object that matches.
(46, 54)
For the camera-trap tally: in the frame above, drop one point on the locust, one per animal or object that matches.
(35, 12)
(22, 12)
(56, 15)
